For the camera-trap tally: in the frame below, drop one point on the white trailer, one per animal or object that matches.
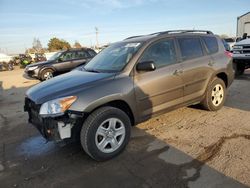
(243, 25)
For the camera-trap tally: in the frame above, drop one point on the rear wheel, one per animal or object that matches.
(105, 133)
(215, 95)
(47, 74)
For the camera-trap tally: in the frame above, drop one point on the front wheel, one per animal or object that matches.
(105, 133)
(215, 95)
(47, 74)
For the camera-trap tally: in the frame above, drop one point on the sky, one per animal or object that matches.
(75, 20)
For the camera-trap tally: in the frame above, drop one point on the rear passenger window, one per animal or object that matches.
(162, 53)
(81, 54)
(190, 48)
(212, 44)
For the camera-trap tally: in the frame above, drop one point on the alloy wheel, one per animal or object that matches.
(48, 75)
(110, 135)
(217, 94)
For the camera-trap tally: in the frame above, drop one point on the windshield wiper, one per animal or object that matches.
(91, 70)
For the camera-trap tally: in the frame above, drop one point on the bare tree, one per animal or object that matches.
(37, 46)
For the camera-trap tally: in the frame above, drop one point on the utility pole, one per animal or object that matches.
(91, 44)
(97, 32)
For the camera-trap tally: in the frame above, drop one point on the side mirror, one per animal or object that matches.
(145, 66)
(60, 59)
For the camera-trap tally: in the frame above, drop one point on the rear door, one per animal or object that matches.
(195, 65)
(81, 57)
(161, 89)
(64, 63)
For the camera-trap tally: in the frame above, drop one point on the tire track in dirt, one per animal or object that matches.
(209, 154)
(213, 150)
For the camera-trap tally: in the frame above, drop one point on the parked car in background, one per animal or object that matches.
(127, 83)
(25, 60)
(40, 57)
(231, 42)
(241, 56)
(60, 62)
(6, 62)
(5, 58)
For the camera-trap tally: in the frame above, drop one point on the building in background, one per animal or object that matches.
(243, 25)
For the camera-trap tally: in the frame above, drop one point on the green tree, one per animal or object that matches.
(56, 44)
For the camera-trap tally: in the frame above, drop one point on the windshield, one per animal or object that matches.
(114, 58)
(55, 56)
(229, 40)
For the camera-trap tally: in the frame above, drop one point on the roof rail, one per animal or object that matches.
(133, 37)
(174, 31)
(183, 31)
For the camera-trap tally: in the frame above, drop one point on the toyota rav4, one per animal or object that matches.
(130, 82)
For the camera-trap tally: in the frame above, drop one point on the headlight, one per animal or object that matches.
(32, 68)
(238, 47)
(57, 106)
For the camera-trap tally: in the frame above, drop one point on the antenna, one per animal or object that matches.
(97, 32)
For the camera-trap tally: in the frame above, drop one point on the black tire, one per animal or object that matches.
(10, 66)
(43, 76)
(209, 100)
(239, 69)
(91, 125)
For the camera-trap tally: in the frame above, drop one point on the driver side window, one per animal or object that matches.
(162, 53)
(67, 56)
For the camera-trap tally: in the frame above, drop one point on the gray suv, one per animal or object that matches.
(60, 62)
(130, 82)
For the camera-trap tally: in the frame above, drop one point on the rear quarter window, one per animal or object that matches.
(92, 53)
(211, 44)
(190, 48)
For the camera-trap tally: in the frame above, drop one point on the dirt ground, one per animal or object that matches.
(188, 147)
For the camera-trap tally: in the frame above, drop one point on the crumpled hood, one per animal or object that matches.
(65, 85)
(244, 42)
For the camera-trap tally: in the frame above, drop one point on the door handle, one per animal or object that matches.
(178, 72)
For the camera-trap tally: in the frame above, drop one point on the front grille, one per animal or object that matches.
(246, 49)
(31, 106)
(33, 109)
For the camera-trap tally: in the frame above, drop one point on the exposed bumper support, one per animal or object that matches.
(64, 130)
(54, 128)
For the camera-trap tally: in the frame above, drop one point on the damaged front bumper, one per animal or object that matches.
(58, 128)
(32, 73)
